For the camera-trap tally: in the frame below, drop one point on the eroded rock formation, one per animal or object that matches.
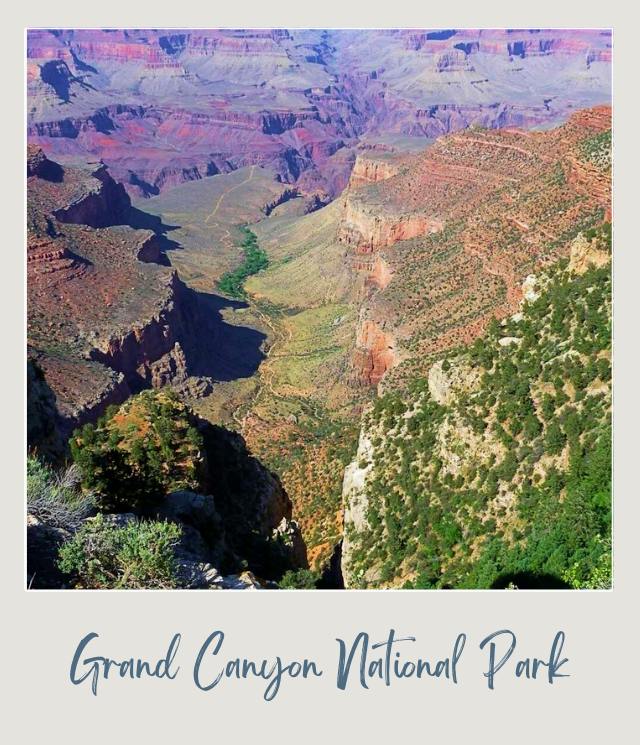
(194, 103)
(446, 242)
(103, 318)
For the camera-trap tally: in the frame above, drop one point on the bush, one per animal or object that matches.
(56, 498)
(301, 579)
(255, 259)
(138, 555)
(554, 439)
(139, 452)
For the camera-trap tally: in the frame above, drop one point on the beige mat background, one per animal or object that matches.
(40, 630)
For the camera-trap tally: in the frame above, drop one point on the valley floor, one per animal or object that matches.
(297, 411)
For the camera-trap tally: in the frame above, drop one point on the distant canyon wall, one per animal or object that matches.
(191, 104)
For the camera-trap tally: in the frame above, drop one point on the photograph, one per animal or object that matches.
(318, 309)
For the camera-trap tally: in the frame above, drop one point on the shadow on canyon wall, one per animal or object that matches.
(225, 351)
(141, 220)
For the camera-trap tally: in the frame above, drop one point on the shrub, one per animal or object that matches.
(300, 579)
(137, 453)
(55, 497)
(554, 439)
(255, 259)
(597, 149)
(599, 574)
(531, 427)
(138, 555)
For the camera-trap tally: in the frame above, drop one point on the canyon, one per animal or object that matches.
(401, 202)
(107, 316)
(164, 107)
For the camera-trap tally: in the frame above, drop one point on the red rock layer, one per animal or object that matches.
(374, 354)
(194, 103)
(447, 241)
(367, 170)
(102, 319)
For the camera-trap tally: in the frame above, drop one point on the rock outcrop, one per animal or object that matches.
(101, 202)
(356, 504)
(367, 227)
(104, 319)
(43, 544)
(374, 353)
(585, 254)
(368, 169)
(42, 415)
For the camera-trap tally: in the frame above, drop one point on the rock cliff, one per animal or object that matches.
(446, 241)
(368, 169)
(103, 319)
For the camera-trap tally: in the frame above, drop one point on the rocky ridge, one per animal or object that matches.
(104, 319)
(446, 241)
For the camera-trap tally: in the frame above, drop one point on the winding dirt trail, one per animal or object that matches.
(213, 213)
(281, 333)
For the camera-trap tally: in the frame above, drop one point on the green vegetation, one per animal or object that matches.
(509, 483)
(255, 259)
(311, 460)
(301, 579)
(105, 555)
(136, 454)
(56, 498)
(601, 235)
(597, 150)
(130, 462)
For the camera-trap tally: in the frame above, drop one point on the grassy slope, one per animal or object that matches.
(207, 213)
(303, 418)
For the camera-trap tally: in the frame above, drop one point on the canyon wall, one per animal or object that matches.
(367, 228)
(191, 104)
(446, 238)
(368, 169)
(104, 318)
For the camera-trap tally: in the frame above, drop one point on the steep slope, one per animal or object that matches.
(144, 464)
(445, 243)
(103, 319)
(347, 314)
(496, 469)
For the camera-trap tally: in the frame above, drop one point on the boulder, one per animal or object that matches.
(43, 543)
(191, 509)
(290, 537)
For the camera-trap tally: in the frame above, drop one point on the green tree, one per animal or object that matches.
(554, 439)
(136, 454)
(299, 579)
